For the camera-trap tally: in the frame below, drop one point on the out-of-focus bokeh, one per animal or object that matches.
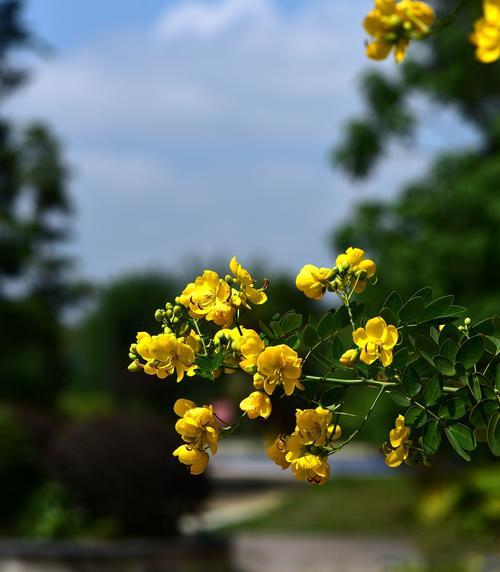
(141, 142)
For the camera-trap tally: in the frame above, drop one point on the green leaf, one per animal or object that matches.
(475, 386)
(332, 396)
(481, 414)
(277, 329)
(431, 439)
(497, 377)
(291, 321)
(393, 302)
(412, 310)
(437, 308)
(444, 365)
(470, 352)
(310, 336)
(388, 315)
(424, 368)
(449, 349)
(485, 327)
(400, 359)
(357, 309)
(400, 399)
(293, 342)
(463, 436)
(452, 409)
(432, 391)
(268, 333)
(450, 331)
(426, 348)
(415, 416)
(326, 325)
(341, 319)
(493, 435)
(411, 381)
(456, 445)
(425, 293)
(491, 344)
(334, 349)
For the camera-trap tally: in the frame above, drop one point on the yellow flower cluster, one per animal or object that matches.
(486, 35)
(375, 341)
(305, 451)
(351, 271)
(200, 430)
(276, 366)
(217, 300)
(397, 449)
(392, 24)
(165, 354)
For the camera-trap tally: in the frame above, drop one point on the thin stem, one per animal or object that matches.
(348, 382)
(196, 327)
(369, 412)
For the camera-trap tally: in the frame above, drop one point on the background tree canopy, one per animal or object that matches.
(442, 229)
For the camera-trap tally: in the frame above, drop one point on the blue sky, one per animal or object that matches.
(196, 130)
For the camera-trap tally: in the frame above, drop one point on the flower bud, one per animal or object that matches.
(229, 279)
(159, 315)
(169, 314)
(132, 348)
(467, 321)
(177, 310)
(134, 367)
(168, 306)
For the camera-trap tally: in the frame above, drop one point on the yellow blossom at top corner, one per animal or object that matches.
(357, 267)
(392, 24)
(247, 290)
(278, 365)
(165, 354)
(486, 34)
(209, 297)
(314, 281)
(376, 341)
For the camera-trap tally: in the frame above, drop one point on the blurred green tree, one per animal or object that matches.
(34, 209)
(443, 229)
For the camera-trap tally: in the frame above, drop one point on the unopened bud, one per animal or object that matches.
(167, 330)
(177, 300)
(134, 367)
(169, 306)
(461, 328)
(177, 310)
(131, 355)
(229, 279)
(159, 315)
(169, 314)
(132, 348)
(467, 321)
(175, 320)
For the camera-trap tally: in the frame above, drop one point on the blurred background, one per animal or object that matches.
(141, 142)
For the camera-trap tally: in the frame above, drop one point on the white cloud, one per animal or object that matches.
(189, 141)
(192, 18)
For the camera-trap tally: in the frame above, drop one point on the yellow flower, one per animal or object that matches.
(376, 341)
(313, 281)
(397, 450)
(359, 268)
(305, 465)
(209, 297)
(197, 426)
(278, 365)
(486, 35)
(251, 346)
(164, 354)
(349, 358)
(314, 426)
(257, 404)
(196, 460)
(277, 452)
(247, 290)
(393, 24)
